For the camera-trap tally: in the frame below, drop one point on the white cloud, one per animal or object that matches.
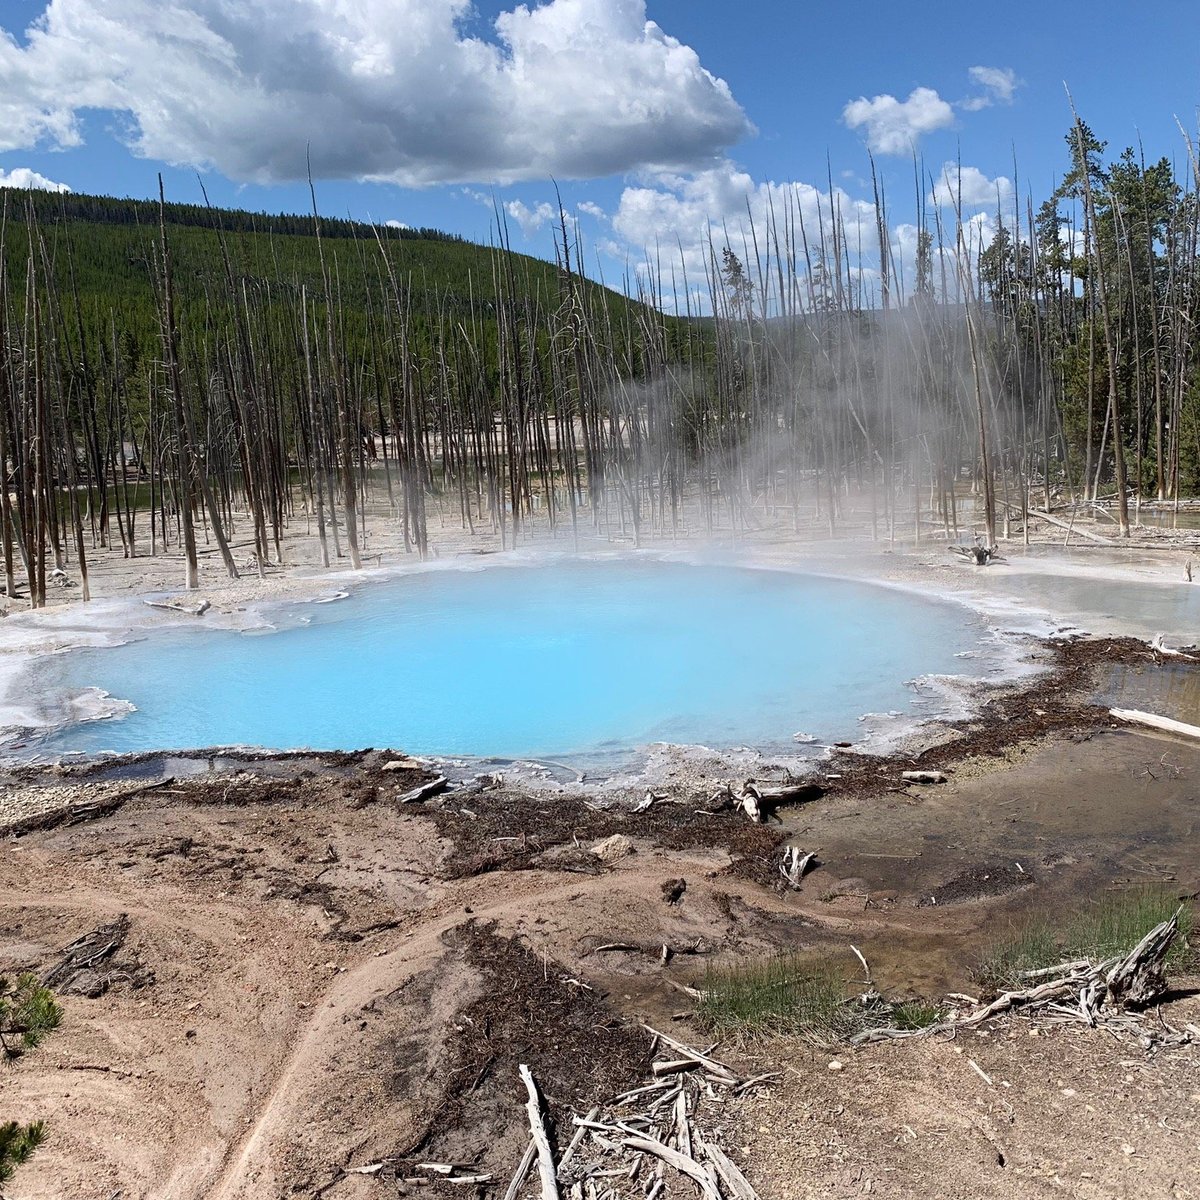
(678, 224)
(970, 186)
(24, 177)
(393, 224)
(592, 210)
(978, 233)
(380, 89)
(530, 219)
(674, 228)
(998, 84)
(894, 126)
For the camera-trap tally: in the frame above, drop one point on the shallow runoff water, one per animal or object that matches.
(572, 658)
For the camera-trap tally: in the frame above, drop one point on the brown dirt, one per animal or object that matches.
(332, 978)
(1067, 1113)
(319, 967)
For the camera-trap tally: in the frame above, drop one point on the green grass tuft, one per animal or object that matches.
(784, 994)
(1109, 926)
(1028, 947)
(915, 1014)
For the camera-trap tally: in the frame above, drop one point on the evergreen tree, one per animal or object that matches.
(17, 1143)
(28, 1012)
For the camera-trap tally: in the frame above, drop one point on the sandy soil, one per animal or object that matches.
(1067, 1113)
(316, 976)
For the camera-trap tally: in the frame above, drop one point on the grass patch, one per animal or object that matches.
(1028, 947)
(1109, 926)
(915, 1014)
(799, 996)
(784, 994)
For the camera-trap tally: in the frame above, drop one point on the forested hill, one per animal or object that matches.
(104, 251)
(49, 207)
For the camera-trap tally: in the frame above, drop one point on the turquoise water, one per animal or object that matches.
(522, 661)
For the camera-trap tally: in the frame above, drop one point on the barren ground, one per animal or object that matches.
(315, 976)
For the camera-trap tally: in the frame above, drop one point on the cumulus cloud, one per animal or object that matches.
(591, 209)
(678, 222)
(378, 89)
(971, 187)
(673, 228)
(24, 177)
(530, 219)
(894, 126)
(997, 83)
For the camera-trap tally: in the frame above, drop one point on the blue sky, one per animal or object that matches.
(650, 136)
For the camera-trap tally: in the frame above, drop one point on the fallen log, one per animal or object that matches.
(649, 801)
(923, 776)
(1152, 721)
(178, 606)
(681, 1162)
(736, 1184)
(518, 1180)
(1072, 528)
(425, 791)
(676, 1066)
(718, 1070)
(758, 801)
(569, 1152)
(1159, 645)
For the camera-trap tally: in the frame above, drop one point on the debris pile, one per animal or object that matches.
(97, 961)
(1107, 994)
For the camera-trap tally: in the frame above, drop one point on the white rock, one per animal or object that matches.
(613, 848)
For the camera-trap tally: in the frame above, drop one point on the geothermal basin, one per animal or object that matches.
(571, 658)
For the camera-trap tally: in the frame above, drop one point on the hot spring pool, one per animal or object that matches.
(571, 658)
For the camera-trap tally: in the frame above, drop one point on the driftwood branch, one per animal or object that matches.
(1096, 993)
(537, 1128)
(425, 791)
(796, 864)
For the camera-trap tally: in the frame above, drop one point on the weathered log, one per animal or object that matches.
(1159, 645)
(1139, 977)
(736, 1184)
(1072, 528)
(574, 1145)
(923, 776)
(676, 1066)
(425, 791)
(518, 1180)
(178, 606)
(758, 800)
(649, 801)
(1152, 721)
(718, 1070)
(681, 1162)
